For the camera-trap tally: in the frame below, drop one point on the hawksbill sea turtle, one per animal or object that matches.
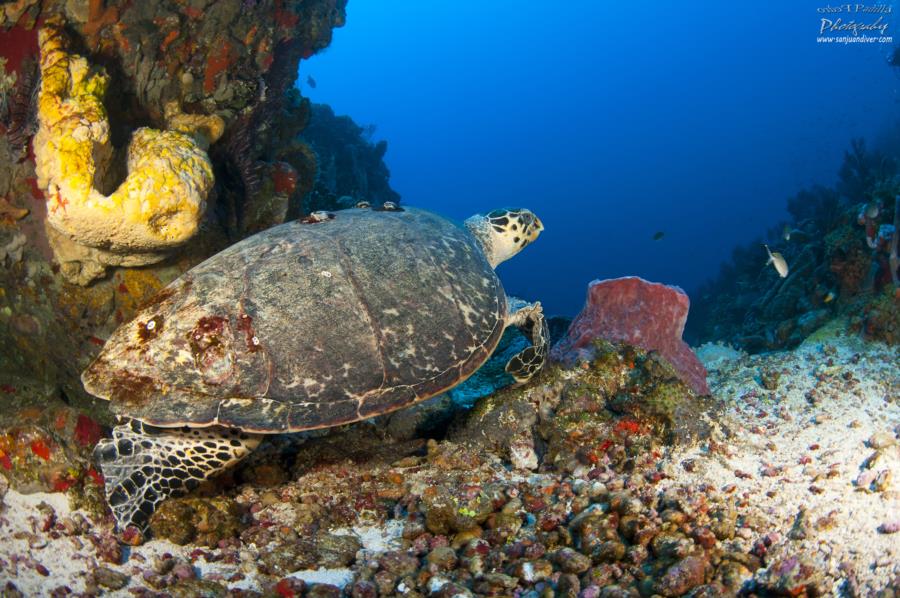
(314, 323)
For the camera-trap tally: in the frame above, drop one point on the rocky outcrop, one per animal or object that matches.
(640, 313)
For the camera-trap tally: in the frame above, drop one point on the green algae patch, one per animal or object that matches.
(622, 405)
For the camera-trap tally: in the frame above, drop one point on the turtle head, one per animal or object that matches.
(505, 232)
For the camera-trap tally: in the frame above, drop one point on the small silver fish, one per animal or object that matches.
(777, 260)
(794, 233)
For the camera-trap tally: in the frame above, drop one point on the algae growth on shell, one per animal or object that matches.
(315, 325)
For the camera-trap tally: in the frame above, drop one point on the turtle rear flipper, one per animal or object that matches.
(144, 465)
(529, 318)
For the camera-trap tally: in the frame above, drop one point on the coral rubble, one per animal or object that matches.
(566, 486)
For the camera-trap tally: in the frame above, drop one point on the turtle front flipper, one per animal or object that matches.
(529, 318)
(143, 465)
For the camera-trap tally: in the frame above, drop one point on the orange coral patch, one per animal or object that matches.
(251, 35)
(40, 448)
(171, 37)
(61, 420)
(62, 484)
(99, 17)
(58, 201)
(628, 426)
(218, 61)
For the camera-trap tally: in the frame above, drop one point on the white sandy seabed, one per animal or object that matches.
(816, 460)
(812, 455)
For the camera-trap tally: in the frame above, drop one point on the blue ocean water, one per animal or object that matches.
(612, 121)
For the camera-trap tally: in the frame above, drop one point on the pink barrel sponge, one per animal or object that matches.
(644, 314)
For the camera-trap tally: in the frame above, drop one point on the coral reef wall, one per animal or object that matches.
(176, 119)
(351, 167)
(839, 245)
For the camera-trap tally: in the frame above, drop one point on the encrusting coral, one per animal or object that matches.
(159, 204)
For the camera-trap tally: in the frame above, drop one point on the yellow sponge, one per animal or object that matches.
(161, 201)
